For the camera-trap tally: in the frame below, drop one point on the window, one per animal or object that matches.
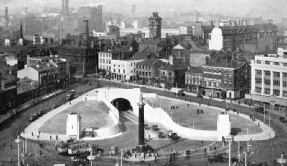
(284, 74)
(276, 74)
(119, 70)
(266, 82)
(258, 80)
(284, 84)
(267, 62)
(284, 93)
(124, 71)
(276, 63)
(258, 89)
(266, 91)
(267, 73)
(276, 83)
(163, 73)
(258, 61)
(170, 73)
(276, 92)
(258, 72)
(285, 64)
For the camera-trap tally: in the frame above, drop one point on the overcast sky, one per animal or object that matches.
(266, 8)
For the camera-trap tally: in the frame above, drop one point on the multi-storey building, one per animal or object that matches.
(194, 79)
(225, 76)
(81, 54)
(269, 79)
(62, 76)
(148, 70)
(8, 82)
(173, 72)
(105, 57)
(253, 38)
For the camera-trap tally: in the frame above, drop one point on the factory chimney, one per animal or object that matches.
(6, 17)
(86, 32)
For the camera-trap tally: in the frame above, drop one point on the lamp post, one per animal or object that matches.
(91, 157)
(18, 141)
(229, 138)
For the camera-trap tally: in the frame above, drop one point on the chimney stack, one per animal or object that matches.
(86, 31)
(21, 31)
(6, 17)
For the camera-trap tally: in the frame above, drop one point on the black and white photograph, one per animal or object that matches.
(143, 83)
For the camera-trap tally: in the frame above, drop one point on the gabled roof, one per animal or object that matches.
(177, 66)
(150, 62)
(153, 49)
(152, 41)
(226, 63)
(141, 55)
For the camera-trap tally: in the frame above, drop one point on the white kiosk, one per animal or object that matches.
(223, 126)
(73, 126)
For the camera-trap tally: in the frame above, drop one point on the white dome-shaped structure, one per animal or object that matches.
(216, 41)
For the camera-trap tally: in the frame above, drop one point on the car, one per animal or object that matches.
(172, 135)
(160, 135)
(40, 113)
(155, 127)
(33, 117)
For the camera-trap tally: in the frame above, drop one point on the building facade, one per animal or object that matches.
(269, 79)
(194, 79)
(226, 77)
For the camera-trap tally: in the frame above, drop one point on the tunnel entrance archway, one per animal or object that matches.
(122, 104)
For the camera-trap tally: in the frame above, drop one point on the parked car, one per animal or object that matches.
(155, 127)
(33, 117)
(40, 113)
(177, 91)
(160, 135)
(172, 135)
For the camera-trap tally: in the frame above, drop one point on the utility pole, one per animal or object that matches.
(239, 151)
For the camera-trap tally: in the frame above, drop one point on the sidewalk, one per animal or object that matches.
(26, 105)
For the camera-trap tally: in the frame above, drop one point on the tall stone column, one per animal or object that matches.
(141, 122)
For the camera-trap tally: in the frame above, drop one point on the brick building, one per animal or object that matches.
(194, 79)
(81, 54)
(226, 76)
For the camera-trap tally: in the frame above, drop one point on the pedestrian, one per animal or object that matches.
(3, 144)
(176, 107)
(11, 146)
(258, 124)
(38, 136)
(32, 134)
(50, 137)
(40, 152)
(39, 132)
(70, 103)
(29, 154)
(56, 137)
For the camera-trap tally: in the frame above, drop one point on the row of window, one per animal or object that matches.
(194, 82)
(105, 55)
(143, 67)
(271, 63)
(267, 82)
(105, 61)
(267, 91)
(268, 73)
(142, 73)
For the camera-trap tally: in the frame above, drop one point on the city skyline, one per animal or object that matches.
(264, 8)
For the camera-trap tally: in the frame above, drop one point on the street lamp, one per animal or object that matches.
(18, 141)
(91, 157)
(229, 138)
